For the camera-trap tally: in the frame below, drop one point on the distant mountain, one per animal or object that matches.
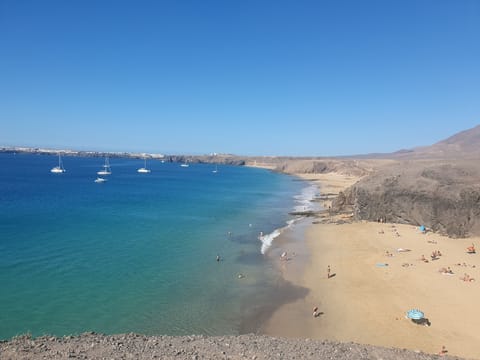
(464, 145)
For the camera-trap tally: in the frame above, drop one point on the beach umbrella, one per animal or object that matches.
(415, 314)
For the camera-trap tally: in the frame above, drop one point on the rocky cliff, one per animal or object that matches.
(321, 166)
(443, 196)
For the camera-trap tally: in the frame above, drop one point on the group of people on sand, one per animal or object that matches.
(448, 271)
(464, 264)
(436, 254)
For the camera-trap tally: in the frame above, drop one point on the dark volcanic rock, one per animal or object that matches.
(442, 196)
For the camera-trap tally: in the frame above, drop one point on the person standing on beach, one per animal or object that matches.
(328, 272)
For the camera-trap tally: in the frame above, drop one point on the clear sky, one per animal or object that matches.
(248, 77)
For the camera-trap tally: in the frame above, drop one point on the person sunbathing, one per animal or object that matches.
(424, 259)
(467, 278)
(471, 249)
(447, 271)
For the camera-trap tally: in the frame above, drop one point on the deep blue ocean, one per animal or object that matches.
(137, 253)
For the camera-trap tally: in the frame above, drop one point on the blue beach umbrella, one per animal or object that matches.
(415, 314)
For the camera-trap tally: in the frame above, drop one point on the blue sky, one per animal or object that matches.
(256, 77)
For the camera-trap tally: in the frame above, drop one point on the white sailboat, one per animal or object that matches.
(58, 169)
(144, 169)
(185, 164)
(100, 180)
(106, 168)
(216, 169)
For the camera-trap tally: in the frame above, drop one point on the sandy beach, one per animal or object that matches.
(369, 291)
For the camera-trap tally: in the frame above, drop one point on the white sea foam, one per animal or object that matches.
(304, 199)
(303, 202)
(267, 239)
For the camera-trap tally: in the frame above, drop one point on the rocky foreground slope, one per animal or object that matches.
(133, 346)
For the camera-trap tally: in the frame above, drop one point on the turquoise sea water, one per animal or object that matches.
(137, 253)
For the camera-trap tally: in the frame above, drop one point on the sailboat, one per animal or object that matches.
(144, 169)
(100, 180)
(216, 169)
(185, 164)
(106, 168)
(58, 169)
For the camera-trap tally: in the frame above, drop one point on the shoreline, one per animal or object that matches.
(186, 292)
(366, 303)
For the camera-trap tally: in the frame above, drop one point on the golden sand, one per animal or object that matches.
(366, 303)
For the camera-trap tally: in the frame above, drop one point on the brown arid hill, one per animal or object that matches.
(321, 166)
(437, 186)
(463, 145)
